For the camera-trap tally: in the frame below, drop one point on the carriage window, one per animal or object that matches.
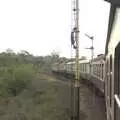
(111, 63)
(107, 79)
(118, 77)
(99, 69)
(102, 70)
(83, 67)
(95, 69)
(110, 78)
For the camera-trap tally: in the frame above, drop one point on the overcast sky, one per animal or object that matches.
(41, 26)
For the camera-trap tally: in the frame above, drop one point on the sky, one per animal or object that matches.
(44, 26)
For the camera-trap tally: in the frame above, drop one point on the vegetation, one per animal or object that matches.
(26, 90)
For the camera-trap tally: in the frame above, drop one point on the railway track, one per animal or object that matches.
(92, 104)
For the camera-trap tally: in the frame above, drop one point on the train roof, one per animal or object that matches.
(71, 62)
(114, 4)
(81, 61)
(84, 61)
(99, 57)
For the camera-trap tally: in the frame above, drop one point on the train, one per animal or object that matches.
(91, 70)
(103, 71)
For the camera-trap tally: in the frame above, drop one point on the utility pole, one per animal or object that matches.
(76, 84)
(91, 48)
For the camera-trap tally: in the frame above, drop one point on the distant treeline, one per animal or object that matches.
(17, 70)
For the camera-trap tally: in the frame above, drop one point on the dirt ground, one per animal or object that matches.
(92, 105)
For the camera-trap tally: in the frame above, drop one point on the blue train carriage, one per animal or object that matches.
(112, 81)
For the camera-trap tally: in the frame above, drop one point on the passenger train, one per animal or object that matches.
(94, 70)
(104, 71)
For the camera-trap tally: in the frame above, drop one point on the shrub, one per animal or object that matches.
(17, 78)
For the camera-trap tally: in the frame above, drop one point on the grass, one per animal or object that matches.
(45, 99)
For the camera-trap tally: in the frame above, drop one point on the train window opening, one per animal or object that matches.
(83, 67)
(102, 71)
(92, 68)
(96, 69)
(99, 70)
(117, 82)
(107, 70)
(119, 76)
(110, 71)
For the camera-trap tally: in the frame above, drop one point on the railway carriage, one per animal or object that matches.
(61, 67)
(112, 81)
(85, 69)
(55, 67)
(70, 67)
(98, 72)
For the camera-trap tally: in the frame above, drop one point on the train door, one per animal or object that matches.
(117, 84)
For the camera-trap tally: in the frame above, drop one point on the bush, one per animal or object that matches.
(16, 78)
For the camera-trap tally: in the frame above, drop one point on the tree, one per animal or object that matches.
(55, 56)
(9, 50)
(83, 58)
